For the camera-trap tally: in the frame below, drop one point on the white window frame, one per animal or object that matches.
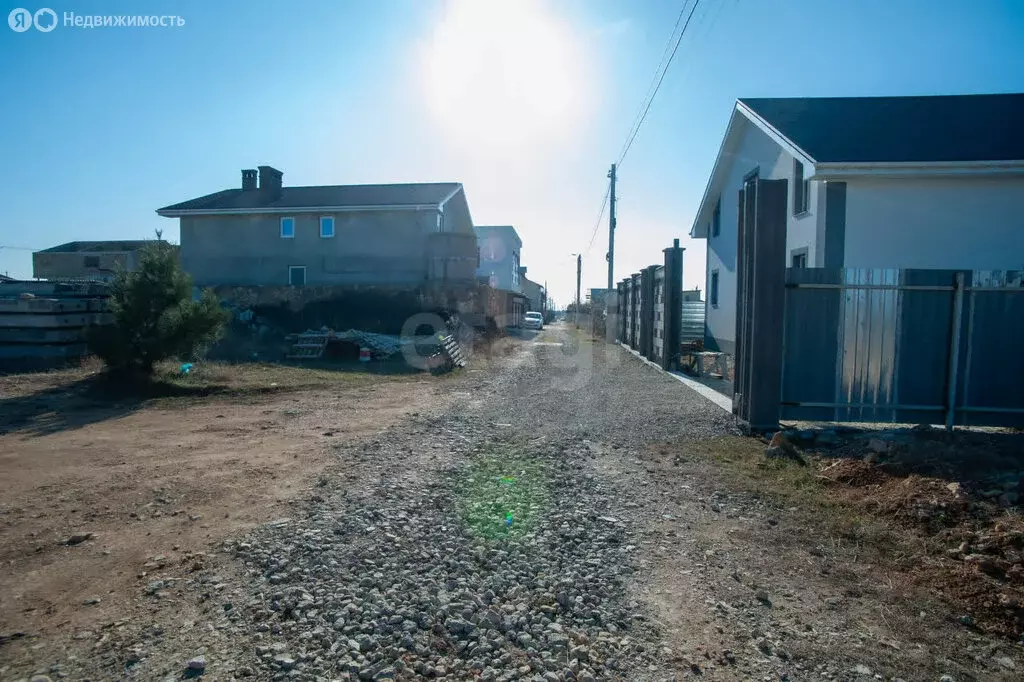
(803, 252)
(333, 227)
(296, 267)
(287, 236)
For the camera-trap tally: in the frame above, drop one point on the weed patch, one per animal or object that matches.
(502, 495)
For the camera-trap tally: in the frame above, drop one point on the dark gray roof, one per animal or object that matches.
(412, 194)
(900, 129)
(87, 247)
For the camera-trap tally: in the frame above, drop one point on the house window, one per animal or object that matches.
(287, 228)
(714, 288)
(716, 219)
(297, 275)
(799, 258)
(327, 226)
(515, 269)
(801, 189)
(92, 261)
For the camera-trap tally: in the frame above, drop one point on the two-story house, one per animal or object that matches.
(264, 233)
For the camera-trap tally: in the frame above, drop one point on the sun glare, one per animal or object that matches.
(504, 73)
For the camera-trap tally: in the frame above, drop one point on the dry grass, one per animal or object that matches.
(906, 523)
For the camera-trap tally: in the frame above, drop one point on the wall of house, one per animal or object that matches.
(751, 149)
(456, 216)
(499, 258)
(969, 223)
(534, 293)
(73, 264)
(369, 248)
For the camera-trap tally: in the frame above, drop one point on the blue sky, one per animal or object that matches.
(102, 126)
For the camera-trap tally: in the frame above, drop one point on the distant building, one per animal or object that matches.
(691, 295)
(5, 278)
(500, 247)
(92, 260)
(536, 297)
(597, 297)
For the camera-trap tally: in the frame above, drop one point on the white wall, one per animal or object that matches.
(750, 149)
(969, 223)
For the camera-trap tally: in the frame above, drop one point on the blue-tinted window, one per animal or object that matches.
(287, 228)
(327, 226)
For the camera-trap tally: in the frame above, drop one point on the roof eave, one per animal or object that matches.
(276, 210)
(847, 171)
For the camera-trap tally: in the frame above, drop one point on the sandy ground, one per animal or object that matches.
(155, 484)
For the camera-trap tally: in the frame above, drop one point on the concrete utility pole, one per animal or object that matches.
(579, 270)
(611, 230)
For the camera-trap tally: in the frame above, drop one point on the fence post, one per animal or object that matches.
(954, 350)
(673, 305)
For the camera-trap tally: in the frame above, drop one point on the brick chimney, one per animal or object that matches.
(270, 181)
(249, 179)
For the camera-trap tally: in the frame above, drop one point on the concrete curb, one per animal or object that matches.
(711, 394)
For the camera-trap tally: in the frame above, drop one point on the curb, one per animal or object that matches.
(722, 401)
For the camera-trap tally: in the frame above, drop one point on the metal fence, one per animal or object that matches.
(692, 323)
(908, 346)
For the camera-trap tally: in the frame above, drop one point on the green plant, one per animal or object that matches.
(154, 315)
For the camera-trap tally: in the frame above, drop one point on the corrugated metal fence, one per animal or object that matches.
(910, 346)
(692, 323)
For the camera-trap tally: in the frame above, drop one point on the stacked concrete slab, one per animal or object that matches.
(43, 324)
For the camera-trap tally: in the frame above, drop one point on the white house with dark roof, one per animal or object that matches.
(874, 182)
(264, 233)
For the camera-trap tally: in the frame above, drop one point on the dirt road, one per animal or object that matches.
(555, 517)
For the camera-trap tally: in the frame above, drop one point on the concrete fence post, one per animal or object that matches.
(673, 305)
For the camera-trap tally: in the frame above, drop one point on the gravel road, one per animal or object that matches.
(537, 525)
(483, 544)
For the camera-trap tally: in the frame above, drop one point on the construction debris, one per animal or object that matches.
(311, 345)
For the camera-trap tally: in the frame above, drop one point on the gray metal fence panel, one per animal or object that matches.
(906, 346)
(692, 327)
(991, 389)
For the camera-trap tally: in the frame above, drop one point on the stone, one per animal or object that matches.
(197, 663)
(284, 661)
(78, 538)
(878, 445)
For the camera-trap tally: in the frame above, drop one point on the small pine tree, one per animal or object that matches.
(154, 315)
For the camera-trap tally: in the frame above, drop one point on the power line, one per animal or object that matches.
(661, 78)
(597, 223)
(657, 70)
(16, 248)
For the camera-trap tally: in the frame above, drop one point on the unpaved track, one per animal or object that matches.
(630, 561)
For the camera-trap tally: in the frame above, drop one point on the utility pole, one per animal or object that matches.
(579, 270)
(611, 232)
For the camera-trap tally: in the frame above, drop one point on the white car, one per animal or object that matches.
(533, 321)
